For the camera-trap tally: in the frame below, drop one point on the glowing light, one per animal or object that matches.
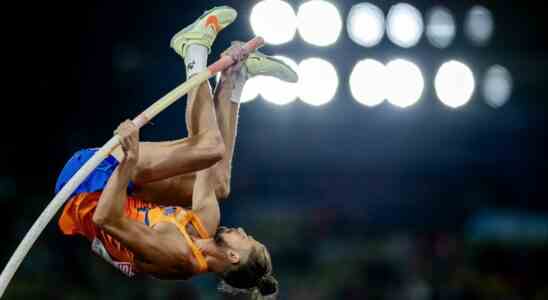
(454, 83)
(274, 20)
(368, 82)
(406, 83)
(277, 91)
(404, 25)
(479, 25)
(251, 89)
(440, 30)
(365, 24)
(318, 81)
(319, 22)
(497, 86)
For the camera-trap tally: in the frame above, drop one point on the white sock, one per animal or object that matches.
(239, 83)
(195, 59)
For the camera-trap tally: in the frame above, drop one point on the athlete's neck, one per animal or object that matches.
(216, 257)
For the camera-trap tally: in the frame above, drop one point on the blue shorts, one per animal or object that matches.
(96, 181)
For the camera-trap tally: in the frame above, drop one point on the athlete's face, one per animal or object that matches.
(235, 238)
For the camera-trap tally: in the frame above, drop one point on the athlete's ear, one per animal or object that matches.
(233, 256)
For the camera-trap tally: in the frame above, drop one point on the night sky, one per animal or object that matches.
(98, 63)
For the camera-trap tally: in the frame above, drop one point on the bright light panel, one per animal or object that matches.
(479, 25)
(274, 20)
(405, 83)
(318, 81)
(251, 89)
(497, 86)
(319, 22)
(441, 29)
(454, 83)
(365, 24)
(368, 82)
(404, 25)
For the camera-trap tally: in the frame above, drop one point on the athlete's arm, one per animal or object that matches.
(109, 215)
(204, 200)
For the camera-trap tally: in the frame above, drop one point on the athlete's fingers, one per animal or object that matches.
(127, 129)
(124, 143)
(236, 51)
(129, 139)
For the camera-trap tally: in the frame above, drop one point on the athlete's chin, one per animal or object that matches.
(218, 237)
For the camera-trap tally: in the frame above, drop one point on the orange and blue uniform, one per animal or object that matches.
(77, 216)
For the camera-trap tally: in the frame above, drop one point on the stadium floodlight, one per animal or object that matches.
(497, 86)
(365, 24)
(368, 82)
(454, 83)
(404, 25)
(479, 25)
(274, 20)
(406, 83)
(440, 28)
(319, 22)
(318, 81)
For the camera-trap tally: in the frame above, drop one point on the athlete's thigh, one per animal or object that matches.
(173, 191)
(159, 160)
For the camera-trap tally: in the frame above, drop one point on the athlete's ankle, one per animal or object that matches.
(195, 59)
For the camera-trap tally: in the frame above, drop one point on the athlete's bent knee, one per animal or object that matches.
(223, 190)
(213, 145)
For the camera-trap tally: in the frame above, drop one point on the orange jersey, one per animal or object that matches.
(77, 219)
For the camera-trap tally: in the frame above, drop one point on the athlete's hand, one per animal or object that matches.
(236, 51)
(129, 140)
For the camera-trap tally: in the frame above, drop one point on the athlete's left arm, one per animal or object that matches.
(114, 195)
(109, 215)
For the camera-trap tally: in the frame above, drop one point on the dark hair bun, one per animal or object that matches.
(267, 285)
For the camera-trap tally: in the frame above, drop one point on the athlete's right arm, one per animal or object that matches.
(109, 215)
(204, 200)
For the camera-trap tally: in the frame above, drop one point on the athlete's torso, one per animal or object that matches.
(176, 257)
(169, 222)
(179, 266)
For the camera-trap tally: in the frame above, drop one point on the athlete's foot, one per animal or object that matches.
(257, 63)
(204, 30)
(260, 64)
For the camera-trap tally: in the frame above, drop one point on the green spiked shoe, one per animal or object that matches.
(260, 64)
(204, 30)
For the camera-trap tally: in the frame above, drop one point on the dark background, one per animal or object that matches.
(354, 202)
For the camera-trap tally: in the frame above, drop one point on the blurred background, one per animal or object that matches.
(407, 163)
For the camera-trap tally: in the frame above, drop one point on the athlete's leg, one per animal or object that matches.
(227, 103)
(165, 160)
(226, 112)
(178, 190)
(227, 107)
(161, 177)
(176, 185)
(201, 150)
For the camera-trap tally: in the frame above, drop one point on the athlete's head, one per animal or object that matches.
(250, 266)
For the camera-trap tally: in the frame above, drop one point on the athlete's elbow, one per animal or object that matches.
(102, 220)
(99, 220)
(223, 191)
(218, 152)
